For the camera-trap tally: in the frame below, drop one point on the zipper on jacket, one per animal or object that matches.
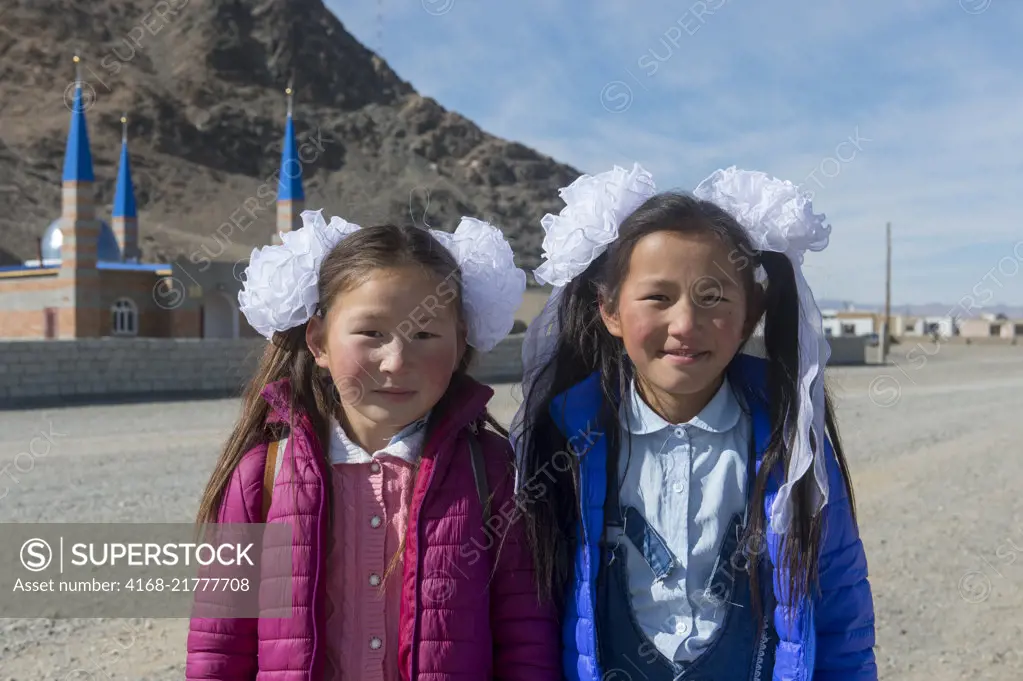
(416, 628)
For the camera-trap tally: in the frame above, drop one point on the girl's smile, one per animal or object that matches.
(396, 395)
(684, 356)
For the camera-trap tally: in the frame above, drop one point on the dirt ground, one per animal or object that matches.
(933, 441)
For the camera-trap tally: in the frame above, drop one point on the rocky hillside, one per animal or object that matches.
(202, 83)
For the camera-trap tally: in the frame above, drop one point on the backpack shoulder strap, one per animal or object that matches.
(479, 472)
(270, 473)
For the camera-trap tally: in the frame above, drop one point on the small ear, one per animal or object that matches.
(315, 333)
(611, 320)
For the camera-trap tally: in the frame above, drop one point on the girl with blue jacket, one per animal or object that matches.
(689, 503)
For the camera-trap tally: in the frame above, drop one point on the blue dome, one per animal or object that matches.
(107, 249)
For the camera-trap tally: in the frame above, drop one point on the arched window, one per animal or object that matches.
(124, 318)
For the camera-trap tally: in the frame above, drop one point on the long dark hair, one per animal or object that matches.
(584, 346)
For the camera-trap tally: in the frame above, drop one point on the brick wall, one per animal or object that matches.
(153, 321)
(34, 372)
(23, 299)
(22, 324)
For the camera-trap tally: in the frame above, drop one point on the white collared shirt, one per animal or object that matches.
(687, 481)
(406, 444)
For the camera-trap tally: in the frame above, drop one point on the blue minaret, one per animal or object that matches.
(125, 220)
(290, 195)
(77, 155)
(79, 315)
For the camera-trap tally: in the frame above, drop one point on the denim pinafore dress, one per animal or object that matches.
(743, 650)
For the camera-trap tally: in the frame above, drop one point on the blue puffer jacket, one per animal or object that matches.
(828, 638)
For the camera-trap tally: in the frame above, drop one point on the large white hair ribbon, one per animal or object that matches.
(780, 218)
(281, 289)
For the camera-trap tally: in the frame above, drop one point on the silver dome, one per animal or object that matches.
(107, 249)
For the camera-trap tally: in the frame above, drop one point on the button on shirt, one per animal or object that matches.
(372, 495)
(687, 481)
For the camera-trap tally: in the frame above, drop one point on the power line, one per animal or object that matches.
(887, 293)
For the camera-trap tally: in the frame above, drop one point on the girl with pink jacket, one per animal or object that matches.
(363, 431)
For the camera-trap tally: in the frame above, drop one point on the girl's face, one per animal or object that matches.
(391, 345)
(682, 315)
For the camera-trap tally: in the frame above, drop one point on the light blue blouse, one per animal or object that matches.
(687, 480)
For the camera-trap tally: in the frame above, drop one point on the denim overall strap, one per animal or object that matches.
(634, 526)
(737, 653)
(623, 647)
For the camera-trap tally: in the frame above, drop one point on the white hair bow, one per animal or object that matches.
(281, 289)
(778, 217)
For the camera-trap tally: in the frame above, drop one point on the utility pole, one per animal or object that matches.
(887, 294)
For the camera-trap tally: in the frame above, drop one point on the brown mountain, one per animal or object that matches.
(202, 83)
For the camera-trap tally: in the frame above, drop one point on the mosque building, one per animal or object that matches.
(88, 281)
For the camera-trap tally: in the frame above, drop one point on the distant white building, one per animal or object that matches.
(943, 326)
(849, 323)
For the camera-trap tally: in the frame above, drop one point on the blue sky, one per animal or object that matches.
(909, 111)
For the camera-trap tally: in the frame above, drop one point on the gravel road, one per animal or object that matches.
(933, 441)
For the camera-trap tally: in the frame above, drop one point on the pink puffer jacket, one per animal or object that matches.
(484, 628)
